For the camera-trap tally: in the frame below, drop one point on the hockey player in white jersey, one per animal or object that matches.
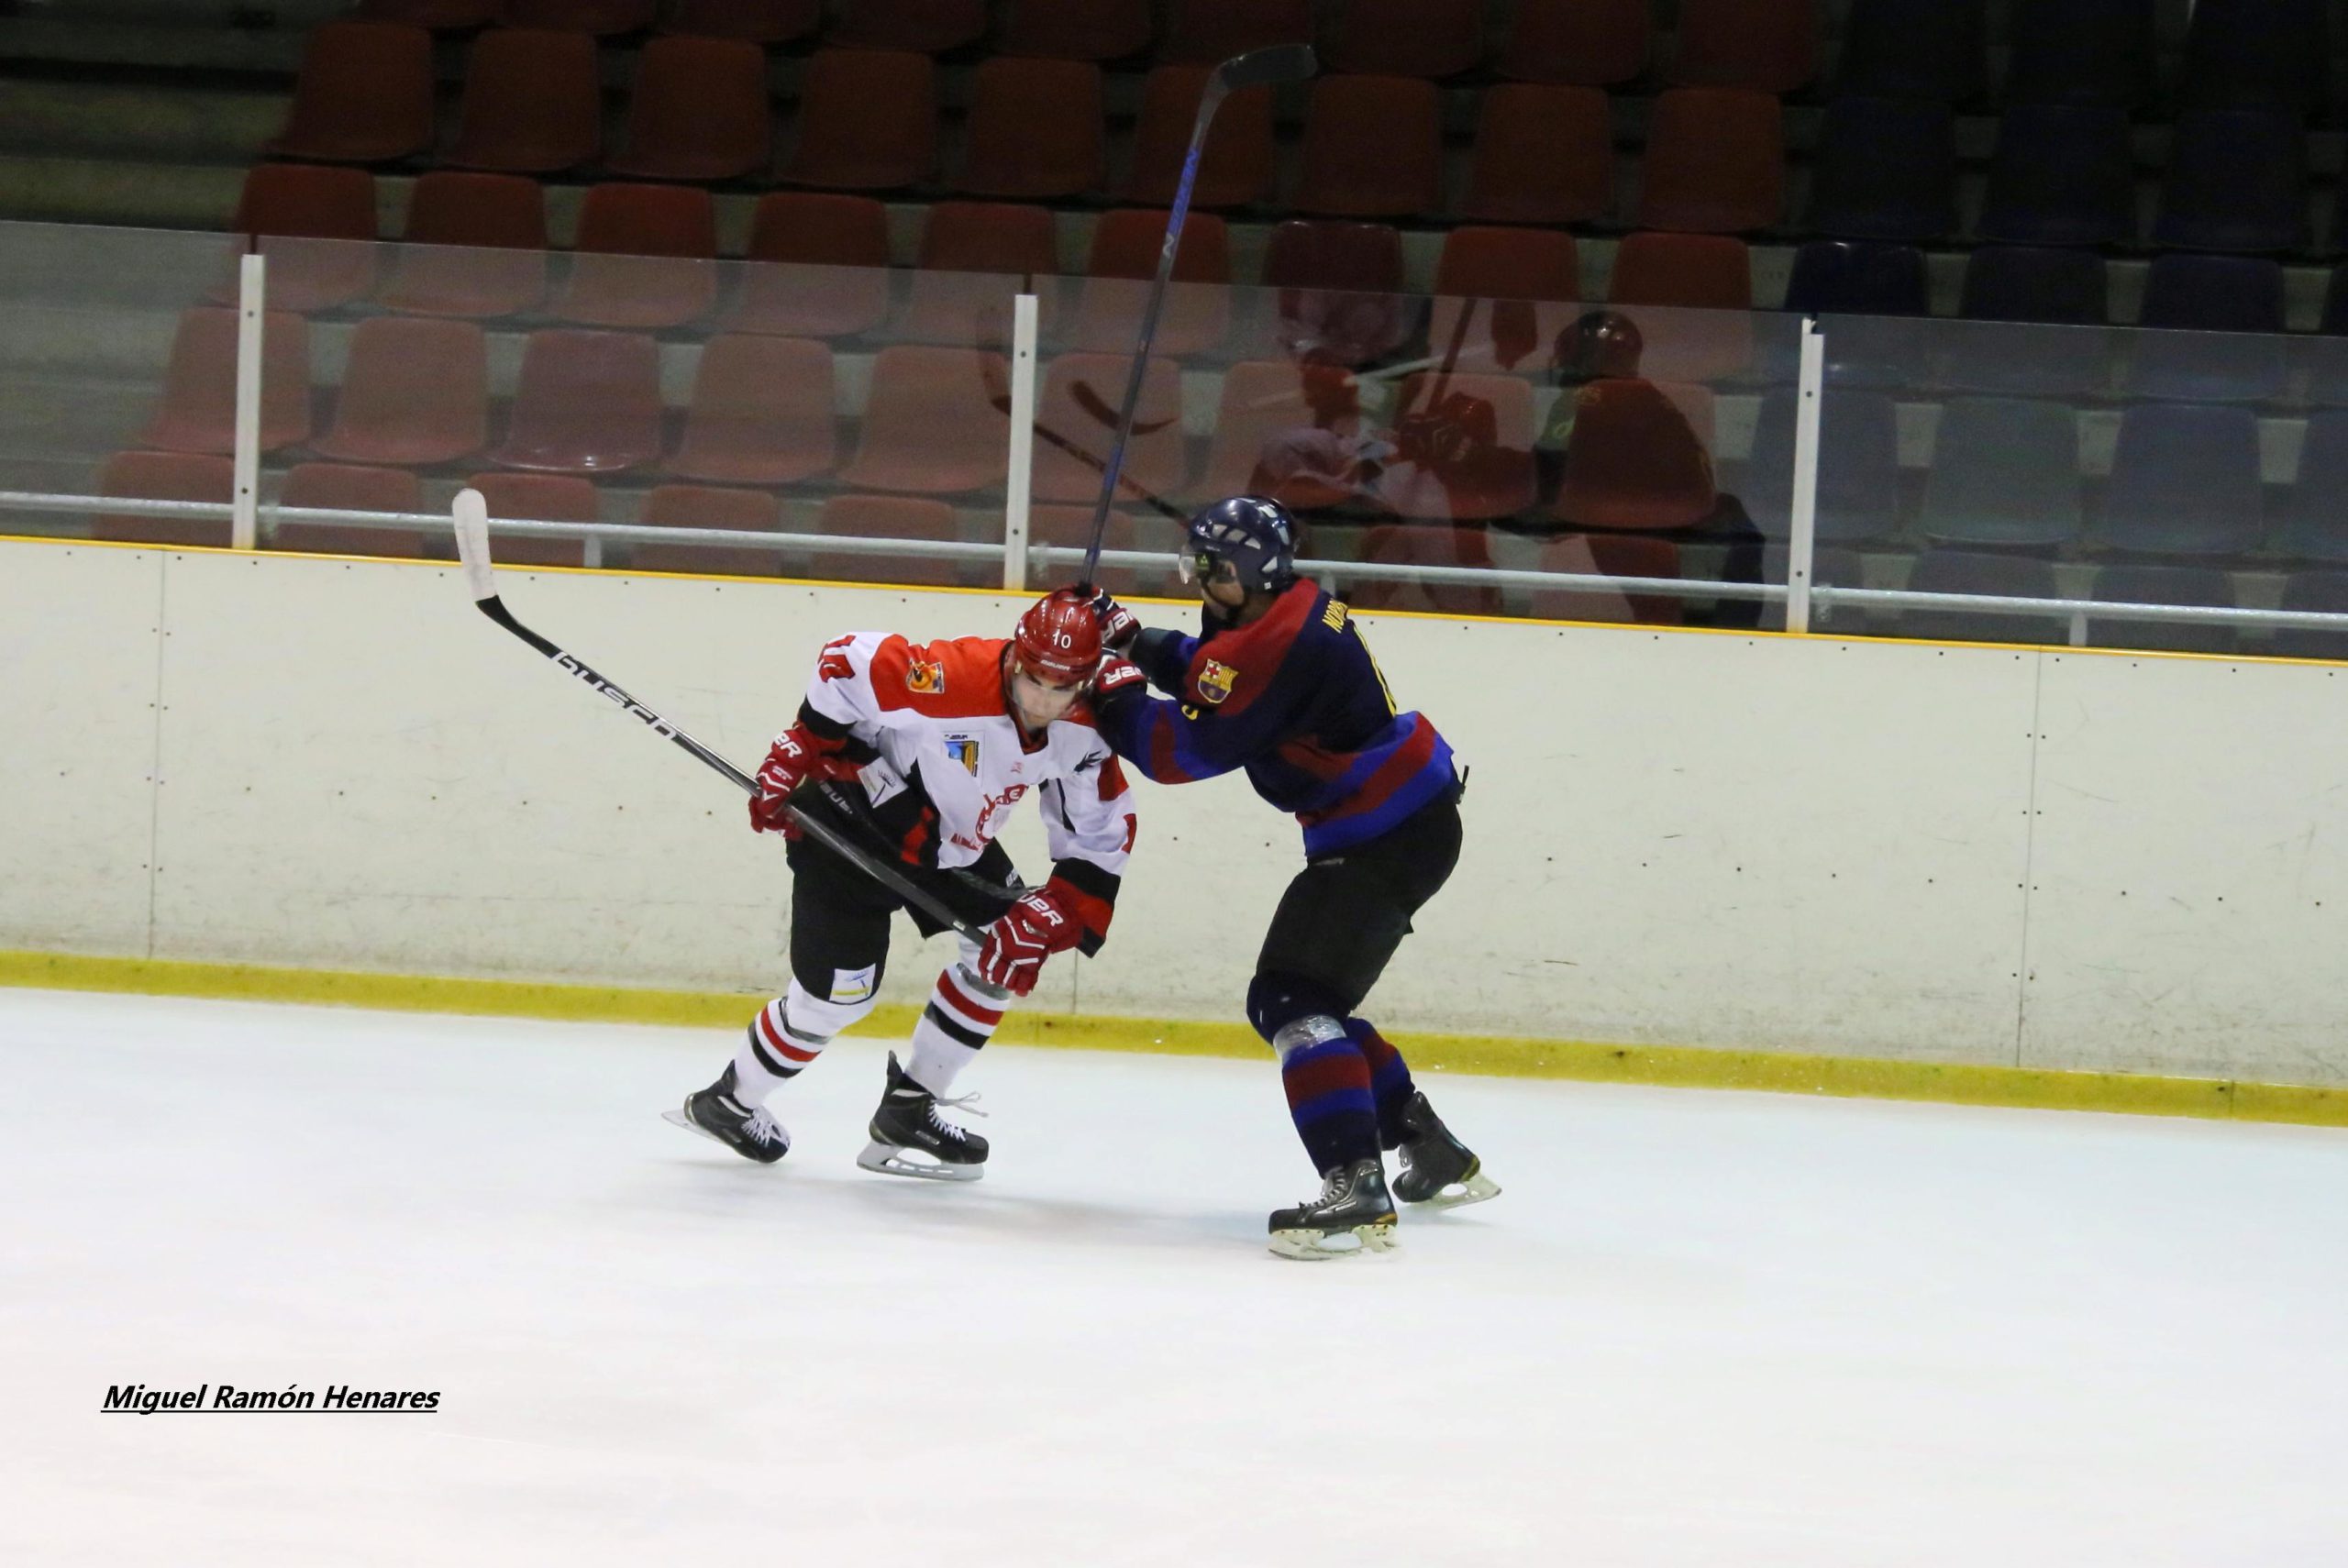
(934, 746)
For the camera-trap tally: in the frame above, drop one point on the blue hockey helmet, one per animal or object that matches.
(1256, 536)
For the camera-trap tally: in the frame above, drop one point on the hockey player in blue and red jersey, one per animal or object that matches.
(1281, 684)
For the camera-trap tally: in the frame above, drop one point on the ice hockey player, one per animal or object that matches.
(933, 746)
(1281, 684)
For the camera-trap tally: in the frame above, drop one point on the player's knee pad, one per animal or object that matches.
(1275, 1001)
(815, 1014)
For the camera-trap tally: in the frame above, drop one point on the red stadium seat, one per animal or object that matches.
(1070, 527)
(476, 246)
(1373, 148)
(1077, 29)
(1715, 161)
(165, 476)
(306, 203)
(646, 257)
(757, 21)
(893, 517)
(1287, 431)
(1339, 290)
(1502, 296)
(1034, 129)
(1690, 295)
(603, 17)
(1426, 545)
(921, 27)
(975, 255)
(198, 412)
(822, 266)
(868, 121)
(415, 392)
(438, 16)
(1409, 37)
(1578, 43)
(698, 507)
(364, 95)
(1770, 46)
(532, 103)
(587, 402)
(334, 486)
(1235, 170)
(699, 111)
(539, 498)
(1544, 154)
(1208, 32)
(761, 413)
(1076, 421)
(932, 423)
(1196, 312)
(1638, 460)
(1608, 555)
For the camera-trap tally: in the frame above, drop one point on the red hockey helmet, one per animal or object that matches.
(1057, 641)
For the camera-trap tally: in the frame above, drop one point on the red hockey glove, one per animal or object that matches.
(1114, 678)
(1041, 923)
(797, 756)
(1119, 625)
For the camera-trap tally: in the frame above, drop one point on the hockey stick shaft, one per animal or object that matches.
(472, 546)
(1263, 67)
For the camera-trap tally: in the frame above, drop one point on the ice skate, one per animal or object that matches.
(1352, 1216)
(1438, 1170)
(748, 1131)
(909, 1137)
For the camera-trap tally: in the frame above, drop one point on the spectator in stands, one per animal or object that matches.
(1449, 443)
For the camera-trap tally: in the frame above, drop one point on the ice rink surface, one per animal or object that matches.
(1710, 1329)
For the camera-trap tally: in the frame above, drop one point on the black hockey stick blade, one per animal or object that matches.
(471, 512)
(1269, 67)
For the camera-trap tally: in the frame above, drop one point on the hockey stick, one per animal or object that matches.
(1260, 67)
(472, 514)
(998, 392)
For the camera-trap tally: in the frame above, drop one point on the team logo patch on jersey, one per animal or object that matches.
(929, 679)
(1215, 681)
(964, 750)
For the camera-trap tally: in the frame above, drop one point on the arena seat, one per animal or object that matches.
(475, 246)
(532, 103)
(165, 476)
(1196, 313)
(698, 110)
(1577, 43)
(1339, 290)
(198, 409)
(2081, 51)
(2256, 53)
(893, 517)
(1269, 411)
(2135, 583)
(2006, 286)
(1235, 170)
(1689, 294)
(1430, 39)
(1502, 295)
(2322, 592)
(1464, 448)
(1715, 161)
(1975, 572)
(601, 17)
(645, 257)
(1885, 169)
(1373, 148)
(2062, 174)
(931, 422)
(919, 26)
(824, 256)
(1077, 29)
(2199, 296)
(1637, 458)
(868, 121)
(1035, 130)
(2005, 472)
(1875, 292)
(364, 95)
(700, 507)
(346, 488)
(1543, 155)
(1929, 50)
(1208, 32)
(755, 21)
(306, 203)
(2237, 182)
(1079, 389)
(415, 392)
(2314, 527)
(761, 413)
(1858, 466)
(539, 498)
(1770, 45)
(587, 402)
(2183, 482)
(434, 16)
(975, 257)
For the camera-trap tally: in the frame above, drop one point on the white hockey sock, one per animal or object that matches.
(962, 1016)
(788, 1034)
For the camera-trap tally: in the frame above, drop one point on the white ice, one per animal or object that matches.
(1700, 1329)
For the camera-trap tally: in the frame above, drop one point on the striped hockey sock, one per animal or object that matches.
(1328, 1084)
(955, 1027)
(1390, 1078)
(788, 1034)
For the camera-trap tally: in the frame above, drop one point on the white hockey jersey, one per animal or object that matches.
(937, 716)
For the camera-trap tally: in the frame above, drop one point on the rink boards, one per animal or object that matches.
(2019, 857)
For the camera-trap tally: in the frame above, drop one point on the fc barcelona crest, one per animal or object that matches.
(1215, 681)
(928, 679)
(965, 752)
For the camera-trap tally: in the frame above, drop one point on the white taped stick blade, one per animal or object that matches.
(471, 513)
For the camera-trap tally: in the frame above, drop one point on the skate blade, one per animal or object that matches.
(1474, 1188)
(680, 1119)
(890, 1160)
(1315, 1246)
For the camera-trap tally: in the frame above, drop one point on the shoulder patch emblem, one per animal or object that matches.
(929, 679)
(1215, 681)
(1335, 616)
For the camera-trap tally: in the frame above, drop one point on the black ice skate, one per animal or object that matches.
(909, 1138)
(1353, 1215)
(749, 1131)
(1438, 1170)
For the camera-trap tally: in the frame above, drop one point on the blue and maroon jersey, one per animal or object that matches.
(1295, 698)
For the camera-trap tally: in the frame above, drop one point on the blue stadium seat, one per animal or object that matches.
(2327, 353)
(1967, 571)
(2081, 51)
(2323, 591)
(2245, 52)
(2203, 295)
(1886, 169)
(1871, 290)
(2133, 583)
(2064, 174)
(2004, 472)
(1858, 467)
(1931, 50)
(2019, 284)
(2315, 515)
(2237, 181)
(2183, 482)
